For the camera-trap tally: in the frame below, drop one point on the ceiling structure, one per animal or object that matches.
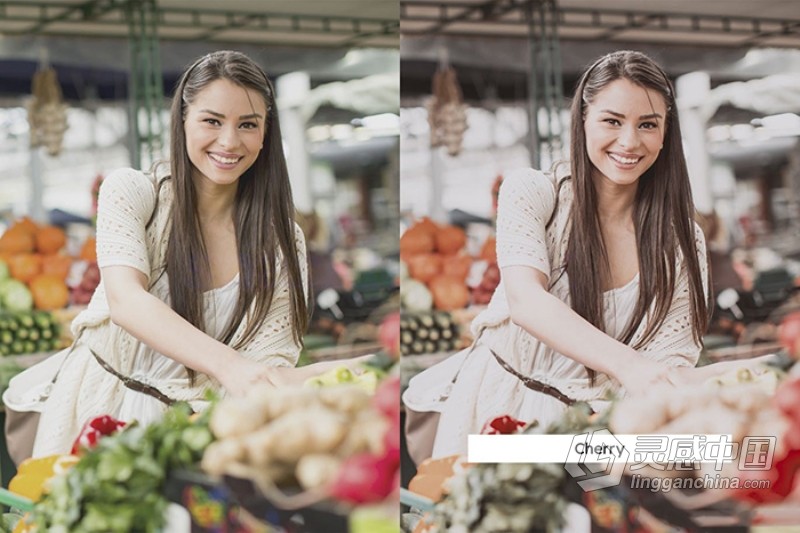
(317, 23)
(731, 23)
(88, 41)
(486, 39)
(135, 50)
(491, 41)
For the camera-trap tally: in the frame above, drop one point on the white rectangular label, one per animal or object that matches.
(600, 446)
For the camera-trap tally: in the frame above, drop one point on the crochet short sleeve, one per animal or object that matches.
(525, 204)
(125, 204)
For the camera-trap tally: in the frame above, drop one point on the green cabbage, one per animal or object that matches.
(15, 296)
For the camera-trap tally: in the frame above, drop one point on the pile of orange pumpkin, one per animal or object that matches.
(435, 256)
(35, 256)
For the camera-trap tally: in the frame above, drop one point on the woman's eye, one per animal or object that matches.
(249, 125)
(212, 121)
(611, 121)
(649, 125)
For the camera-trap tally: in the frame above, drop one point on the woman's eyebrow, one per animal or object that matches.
(220, 115)
(621, 115)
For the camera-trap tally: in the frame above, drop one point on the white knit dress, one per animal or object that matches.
(83, 388)
(469, 389)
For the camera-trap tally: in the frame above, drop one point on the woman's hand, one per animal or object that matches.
(241, 374)
(641, 375)
(281, 376)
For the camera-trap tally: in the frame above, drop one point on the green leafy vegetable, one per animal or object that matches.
(117, 486)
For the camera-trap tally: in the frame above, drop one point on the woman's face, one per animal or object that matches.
(624, 127)
(224, 128)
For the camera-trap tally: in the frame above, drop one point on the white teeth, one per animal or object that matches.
(224, 160)
(624, 160)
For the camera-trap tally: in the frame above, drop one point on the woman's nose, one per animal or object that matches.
(629, 137)
(229, 137)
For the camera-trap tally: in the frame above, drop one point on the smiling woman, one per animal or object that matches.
(604, 276)
(204, 281)
(224, 135)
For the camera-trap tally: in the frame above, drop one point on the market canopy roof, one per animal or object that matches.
(773, 23)
(486, 39)
(339, 23)
(87, 41)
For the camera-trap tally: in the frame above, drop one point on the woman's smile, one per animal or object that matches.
(224, 161)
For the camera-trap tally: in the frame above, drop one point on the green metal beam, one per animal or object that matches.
(545, 89)
(146, 97)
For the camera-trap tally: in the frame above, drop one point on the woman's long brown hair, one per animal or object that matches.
(263, 212)
(663, 212)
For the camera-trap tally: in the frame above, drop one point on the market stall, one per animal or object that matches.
(321, 454)
(73, 112)
(491, 65)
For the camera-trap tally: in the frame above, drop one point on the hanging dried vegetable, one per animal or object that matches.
(447, 113)
(47, 112)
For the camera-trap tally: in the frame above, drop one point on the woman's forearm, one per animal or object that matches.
(553, 322)
(154, 323)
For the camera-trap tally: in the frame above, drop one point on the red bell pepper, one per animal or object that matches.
(502, 425)
(94, 429)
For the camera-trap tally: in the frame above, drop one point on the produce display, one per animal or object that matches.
(116, 484)
(366, 380)
(487, 498)
(24, 332)
(439, 274)
(744, 400)
(327, 444)
(339, 442)
(38, 276)
(326, 449)
(428, 333)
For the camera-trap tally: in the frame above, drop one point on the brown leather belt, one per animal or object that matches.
(533, 384)
(133, 384)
